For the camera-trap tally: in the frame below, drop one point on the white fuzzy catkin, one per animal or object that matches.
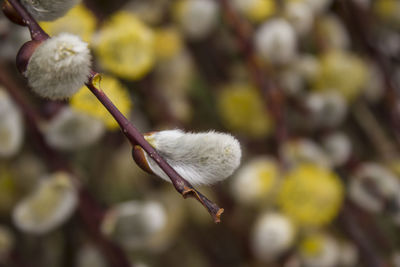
(304, 151)
(275, 41)
(327, 109)
(301, 16)
(327, 256)
(199, 17)
(59, 67)
(256, 180)
(11, 126)
(318, 6)
(50, 205)
(89, 256)
(200, 158)
(47, 10)
(384, 182)
(338, 147)
(71, 130)
(135, 224)
(272, 235)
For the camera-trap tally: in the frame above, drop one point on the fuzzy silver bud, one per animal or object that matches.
(59, 67)
(200, 158)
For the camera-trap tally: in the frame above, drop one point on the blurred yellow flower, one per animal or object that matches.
(343, 72)
(125, 46)
(8, 189)
(311, 195)
(256, 10)
(84, 101)
(79, 21)
(242, 110)
(388, 10)
(168, 43)
(312, 244)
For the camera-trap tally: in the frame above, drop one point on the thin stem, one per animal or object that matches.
(130, 131)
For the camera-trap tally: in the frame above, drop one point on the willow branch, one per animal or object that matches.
(130, 131)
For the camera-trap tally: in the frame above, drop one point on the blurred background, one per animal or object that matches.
(309, 87)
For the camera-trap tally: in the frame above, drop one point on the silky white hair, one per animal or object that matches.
(200, 158)
(11, 126)
(59, 67)
(46, 208)
(71, 130)
(48, 10)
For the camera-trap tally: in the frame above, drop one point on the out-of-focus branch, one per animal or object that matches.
(89, 210)
(350, 225)
(374, 131)
(360, 25)
(274, 98)
(134, 136)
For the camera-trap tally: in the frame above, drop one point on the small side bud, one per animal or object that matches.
(200, 158)
(24, 55)
(59, 67)
(139, 156)
(11, 14)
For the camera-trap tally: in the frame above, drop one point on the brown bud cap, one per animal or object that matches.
(12, 14)
(139, 157)
(25, 53)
